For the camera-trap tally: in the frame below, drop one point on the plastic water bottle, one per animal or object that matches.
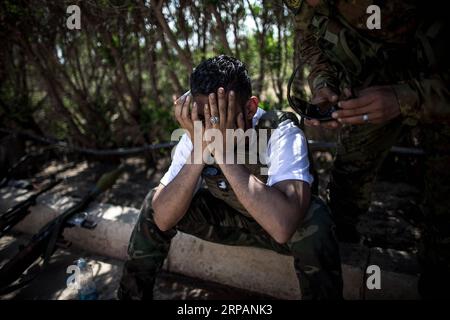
(87, 289)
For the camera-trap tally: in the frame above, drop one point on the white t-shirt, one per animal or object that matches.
(286, 155)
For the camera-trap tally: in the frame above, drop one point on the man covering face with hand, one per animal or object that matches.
(219, 199)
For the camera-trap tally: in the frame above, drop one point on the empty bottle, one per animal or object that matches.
(87, 289)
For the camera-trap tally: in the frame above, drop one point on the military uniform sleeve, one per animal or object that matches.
(322, 72)
(427, 97)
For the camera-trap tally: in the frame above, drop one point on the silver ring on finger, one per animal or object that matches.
(214, 120)
(365, 118)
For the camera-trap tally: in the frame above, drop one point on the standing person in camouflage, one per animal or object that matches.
(241, 206)
(384, 80)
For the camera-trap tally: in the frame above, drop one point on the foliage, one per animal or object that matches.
(111, 83)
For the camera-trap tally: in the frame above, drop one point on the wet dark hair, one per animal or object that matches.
(221, 71)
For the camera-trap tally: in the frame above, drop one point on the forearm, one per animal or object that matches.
(171, 202)
(322, 70)
(269, 206)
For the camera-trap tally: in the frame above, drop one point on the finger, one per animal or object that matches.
(347, 93)
(377, 120)
(346, 113)
(331, 125)
(324, 95)
(231, 109)
(367, 90)
(359, 119)
(327, 94)
(240, 121)
(174, 98)
(356, 103)
(312, 122)
(207, 116)
(213, 105)
(178, 108)
(222, 107)
(185, 108)
(318, 99)
(332, 97)
(194, 113)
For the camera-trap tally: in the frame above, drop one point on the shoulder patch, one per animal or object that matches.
(293, 5)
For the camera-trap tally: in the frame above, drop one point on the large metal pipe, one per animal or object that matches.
(127, 152)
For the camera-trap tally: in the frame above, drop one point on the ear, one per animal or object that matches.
(251, 107)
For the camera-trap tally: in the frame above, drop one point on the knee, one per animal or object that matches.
(147, 205)
(317, 228)
(146, 228)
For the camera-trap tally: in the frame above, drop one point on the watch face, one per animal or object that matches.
(210, 171)
(222, 185)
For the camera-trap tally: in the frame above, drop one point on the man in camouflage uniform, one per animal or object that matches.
(385, 80)
(240, 206)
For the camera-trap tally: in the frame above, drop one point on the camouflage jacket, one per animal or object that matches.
(408, 52)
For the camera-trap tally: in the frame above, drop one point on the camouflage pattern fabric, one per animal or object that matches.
(313, 246)
(360, 152)
(409, 53)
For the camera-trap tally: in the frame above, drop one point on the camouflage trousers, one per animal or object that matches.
(361, 150)
(313, 246)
